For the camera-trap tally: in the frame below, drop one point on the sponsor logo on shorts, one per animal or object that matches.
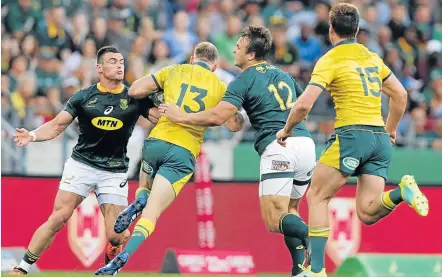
(280, 165)
(147, 168)
(350, 162)
(107, 123)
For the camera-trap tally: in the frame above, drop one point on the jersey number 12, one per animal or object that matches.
(281, 85)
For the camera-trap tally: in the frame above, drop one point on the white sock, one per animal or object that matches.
(24, 265)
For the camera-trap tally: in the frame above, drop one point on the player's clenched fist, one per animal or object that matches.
(21, 137)
(172, 112)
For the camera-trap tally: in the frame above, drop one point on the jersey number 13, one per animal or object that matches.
(201, 93)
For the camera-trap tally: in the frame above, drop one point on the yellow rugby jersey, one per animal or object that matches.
(194, 88)
(353, 75)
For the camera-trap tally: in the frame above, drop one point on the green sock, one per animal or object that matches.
(292, 225)
(395, 195)
(142, 193)
(296, 251)
(143, 229)
(318, 240)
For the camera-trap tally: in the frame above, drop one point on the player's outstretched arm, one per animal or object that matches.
(46, 132)
(236, 122)
(143, 87)
(212, 117)
(302, 106)
(398, 102)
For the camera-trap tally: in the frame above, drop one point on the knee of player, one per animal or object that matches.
(317, 195)
(117, 239)
(366, 218)
(58, 219)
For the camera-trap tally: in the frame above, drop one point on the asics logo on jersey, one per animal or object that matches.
(108, 110)
(107, 123)
(350, 162)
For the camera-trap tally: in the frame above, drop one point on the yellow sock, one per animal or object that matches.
(143, 229)
(144, 226)
(386, 201)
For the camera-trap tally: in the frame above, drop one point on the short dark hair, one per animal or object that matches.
(260, 40)
(344, 18)
(206, 51)
(104, 50)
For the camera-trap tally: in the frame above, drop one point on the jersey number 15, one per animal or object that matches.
(365, 74)
(281, 85)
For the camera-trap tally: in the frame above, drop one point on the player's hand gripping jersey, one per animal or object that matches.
(194, 88)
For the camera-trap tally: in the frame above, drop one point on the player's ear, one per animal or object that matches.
(192, 59)
(214, 67)
(99, 68)
(357, 31)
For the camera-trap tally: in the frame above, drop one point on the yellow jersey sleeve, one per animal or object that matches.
(385, 71)
(323, 73)
(160, 76)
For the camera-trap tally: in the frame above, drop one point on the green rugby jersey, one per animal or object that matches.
(267, 94)
(106, 120)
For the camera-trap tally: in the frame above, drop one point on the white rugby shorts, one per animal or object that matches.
(286, 171)
(80, 178)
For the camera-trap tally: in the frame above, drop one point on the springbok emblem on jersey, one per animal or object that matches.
(345, 229)
(86, 231)
(123, 104)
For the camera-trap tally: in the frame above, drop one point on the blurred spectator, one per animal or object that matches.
(250, 8)
(384, 39)
(99, 31)
(322, 10)
(160, 56)
(28, 47)
(423, 22)
(96, 9)
(409, 46)
(116, 34)
(203, 29)
(364, 38)
(141, 10)
(225, 42)
(22, 103)
(284, 54)
(397, 22)
(308, 46)
(19, 65)
(22, 17)
(180, 40)
(78, 32)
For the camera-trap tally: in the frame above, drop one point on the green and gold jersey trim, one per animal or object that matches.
(115, 91)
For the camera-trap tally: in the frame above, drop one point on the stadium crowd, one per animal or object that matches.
(48, 50)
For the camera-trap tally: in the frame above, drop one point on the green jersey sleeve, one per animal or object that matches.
(298, 89)
(144, 106)
(236, 93)
(73, 106)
